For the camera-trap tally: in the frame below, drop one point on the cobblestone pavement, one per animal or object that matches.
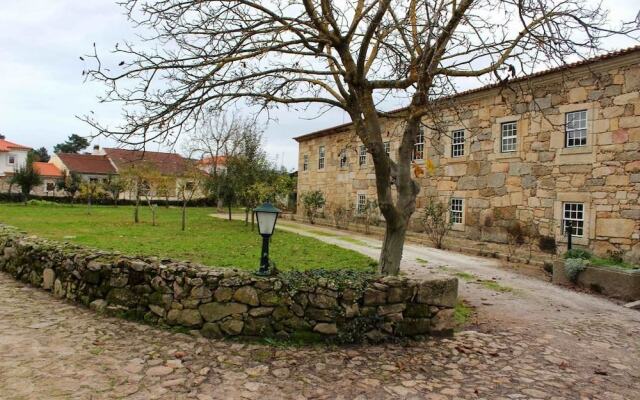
(50, 349)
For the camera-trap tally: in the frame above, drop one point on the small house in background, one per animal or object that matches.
(216, 164)
(12, 157)
(93, 167)
(50, 176)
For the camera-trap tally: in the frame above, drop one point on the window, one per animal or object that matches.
(50, 186)
(418, 148)
(189, 186)
(12, 159)
(457, 143)
(573, 213)
(343, 159)
(93, 180)
(576, 128)
(321, 157)
(362, 155)
(455, 211)
(508, 137)
(387, 148)
(362, 203)
(305, 162)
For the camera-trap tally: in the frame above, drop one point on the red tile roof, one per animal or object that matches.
(220, 160)
(165, 163)
(602, 57)
(47, 169)
(87, 163)
(6, 146)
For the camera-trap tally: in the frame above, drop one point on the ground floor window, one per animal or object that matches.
(362, 203)
(343, 159)
(305, 162)
(387, 148)
(50, 186)
(509, 137)
(455, 210)
(573, 213)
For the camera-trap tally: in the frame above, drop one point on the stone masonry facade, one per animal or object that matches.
(337, 306)
(561, 145)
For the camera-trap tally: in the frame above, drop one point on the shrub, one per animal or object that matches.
(548, 267)
(616, 256)
(369, 214)
(578, 253)
(341, 215)
(573, 267)
(547, 244)
(312, 202)
(435, 221)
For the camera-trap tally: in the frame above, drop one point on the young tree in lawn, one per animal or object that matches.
(90, 190)
(344, 55)
(114, 186)
(26, 177)
(74, 144)
(70, 184)
(139, 178)
(189, 184)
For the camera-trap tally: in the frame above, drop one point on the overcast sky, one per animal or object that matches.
(41, 87)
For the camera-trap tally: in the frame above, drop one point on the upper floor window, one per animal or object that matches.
(387, 147)
(305, 162)
(343, 159)
(362, 203)
(455, 210)
(576, 128)
(12, 159)
(321, 157)
(457, 143)
(508, 137)
(418, 149)
(362, 155)
(573, 213)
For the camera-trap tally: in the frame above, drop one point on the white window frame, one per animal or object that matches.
(457, 143)
(418, 147)
(361, 203)
(509, 137)
(575, 212)
(456, 210)
(387, 148)
(321, 157)
(576, 134)
(305, 162)
(362, 155)
(343, 160)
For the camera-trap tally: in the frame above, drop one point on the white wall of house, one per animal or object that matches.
(12, 160)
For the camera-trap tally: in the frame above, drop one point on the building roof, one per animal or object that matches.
(47, 169)
(6, 146)
(219, 160)
(87, 163)
(602, 57)
(165, 163)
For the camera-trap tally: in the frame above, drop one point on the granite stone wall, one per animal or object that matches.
(344, 306)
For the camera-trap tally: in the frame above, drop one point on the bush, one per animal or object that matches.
(312, 202)
(547, 244)
(435, 221)
(573, 267)
(616, 256)
(341, 216)
(578, 253)
(548, 267)
(369, 214)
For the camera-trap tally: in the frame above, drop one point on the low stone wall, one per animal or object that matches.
(344, 306)
(617, 283)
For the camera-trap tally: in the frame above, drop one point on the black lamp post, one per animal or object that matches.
(267, 216)
(569, 232)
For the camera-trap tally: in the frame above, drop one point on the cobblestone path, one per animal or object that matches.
(50, 349)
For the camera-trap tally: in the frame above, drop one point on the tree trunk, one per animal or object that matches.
(229, 208)
(246, 216)
(392, 246)
(253, 221)
(153, 215)
(88, 204)
(184, 216)
(136, 209)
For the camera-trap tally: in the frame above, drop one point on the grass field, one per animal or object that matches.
(207, 240)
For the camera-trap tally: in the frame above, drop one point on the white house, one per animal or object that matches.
(12, 156)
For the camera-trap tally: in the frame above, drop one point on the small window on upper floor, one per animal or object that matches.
(362, 155)
(576, 128)
(343, 159)
(508, 137)
(387, 147)
(12, 159)
(418, 148)
(305, 162)
(321, 157)
(457, 143)
(361, 204)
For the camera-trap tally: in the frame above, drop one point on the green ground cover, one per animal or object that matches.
(207, 240)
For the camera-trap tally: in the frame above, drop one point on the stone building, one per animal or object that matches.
(556, 146)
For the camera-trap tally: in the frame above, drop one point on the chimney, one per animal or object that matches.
(97, 151)
(2, 137)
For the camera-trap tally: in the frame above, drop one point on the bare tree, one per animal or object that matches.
(338, 54)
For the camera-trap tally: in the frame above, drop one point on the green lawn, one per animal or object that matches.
(207, 240)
